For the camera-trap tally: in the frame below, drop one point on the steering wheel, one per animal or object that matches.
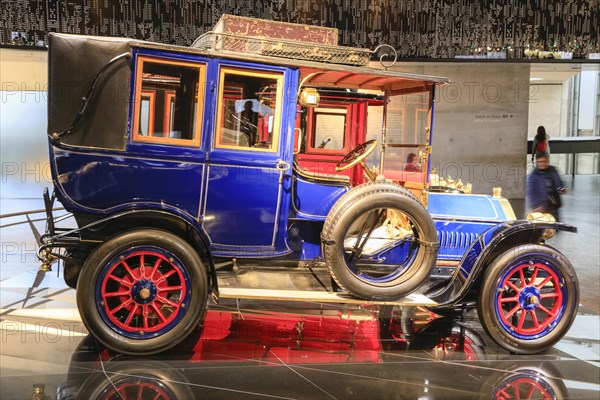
(356, 156)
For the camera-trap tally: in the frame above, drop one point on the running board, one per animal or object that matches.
(318, 296)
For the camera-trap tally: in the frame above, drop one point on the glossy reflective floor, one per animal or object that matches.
(252, 350)
(282, 350)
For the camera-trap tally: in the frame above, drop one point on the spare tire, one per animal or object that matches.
(379, 242)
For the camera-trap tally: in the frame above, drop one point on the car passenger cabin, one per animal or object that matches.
(222, 138)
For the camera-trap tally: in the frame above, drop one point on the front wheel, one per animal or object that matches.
(529, 298)
(142, 292)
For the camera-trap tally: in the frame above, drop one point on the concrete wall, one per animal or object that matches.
(480, 127)
(22, 70)
(548, 106)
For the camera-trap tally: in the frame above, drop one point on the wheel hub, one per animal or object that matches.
(143, 291)
(529, 297)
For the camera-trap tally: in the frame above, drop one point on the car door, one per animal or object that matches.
(249, 168)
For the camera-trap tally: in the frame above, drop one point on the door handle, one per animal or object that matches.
(283, 165)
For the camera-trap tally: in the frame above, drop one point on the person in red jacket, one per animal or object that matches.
(540, 143)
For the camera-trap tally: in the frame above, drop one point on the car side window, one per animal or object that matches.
(169, 98)
(329, 129)
(248, 109)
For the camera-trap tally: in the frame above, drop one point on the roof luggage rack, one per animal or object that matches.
(283, 48)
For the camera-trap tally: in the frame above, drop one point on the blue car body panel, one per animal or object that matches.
(313, 200)
(467, 207)
(461, 219)
(99, 183)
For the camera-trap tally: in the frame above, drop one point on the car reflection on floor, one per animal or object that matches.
(376, 353)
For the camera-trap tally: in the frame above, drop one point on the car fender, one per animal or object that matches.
(168, 218)
(490, 244)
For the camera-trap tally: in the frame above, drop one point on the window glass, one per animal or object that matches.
(145, 106)
(329, 128)
(167, 98)
(248, 115)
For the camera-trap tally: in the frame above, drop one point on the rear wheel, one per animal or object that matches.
(379, 241)
(529, 298)
(142, 292)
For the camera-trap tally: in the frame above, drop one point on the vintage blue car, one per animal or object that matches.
(188, 169)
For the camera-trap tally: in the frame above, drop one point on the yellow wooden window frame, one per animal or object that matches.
(278, 77)
(195, 142)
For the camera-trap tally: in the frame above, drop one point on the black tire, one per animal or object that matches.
(357, 204)
(541, 313)
(136, 314)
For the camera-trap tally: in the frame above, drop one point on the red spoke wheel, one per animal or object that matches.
(137, 388)
(529, 298)
(522, 382)
(142, 292)
(135, 380)
(524, 387)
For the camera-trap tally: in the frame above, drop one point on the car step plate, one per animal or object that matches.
(318, 296)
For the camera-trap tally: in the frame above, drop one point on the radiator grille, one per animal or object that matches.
(456, 240)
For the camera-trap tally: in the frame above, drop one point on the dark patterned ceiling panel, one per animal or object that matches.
(429, 28)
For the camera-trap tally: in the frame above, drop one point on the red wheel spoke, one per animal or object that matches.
(514, 310)
(142, 267)
(530, 393)
(123, 282)
(131, 314)
(509, 299)
(156, 265)
(522, 319)
(541, 285)
(165, 288)
(121, 306)
(515, 386)
(513, 287)
(536, 323)
(156, 397)
(166, 301)
(533, 276)
(548, 295)
(544, 309)
(128, 269)
(164, 277)
(145, 315)
(522, 277)
(159, 313)
(117, 294)
(139, 392)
